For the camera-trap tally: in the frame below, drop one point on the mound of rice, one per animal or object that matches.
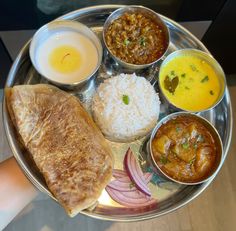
(125, 107)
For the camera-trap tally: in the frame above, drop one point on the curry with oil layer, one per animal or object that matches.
(137, 39)
(185, 149)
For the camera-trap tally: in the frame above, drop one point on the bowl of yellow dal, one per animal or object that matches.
(191, 80)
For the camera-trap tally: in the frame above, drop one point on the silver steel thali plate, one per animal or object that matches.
(170, 195)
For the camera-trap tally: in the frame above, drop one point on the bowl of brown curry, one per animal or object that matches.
(135, 36)
(186, 148)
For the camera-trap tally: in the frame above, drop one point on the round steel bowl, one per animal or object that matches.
(64, 25)
(210, 128)
(133, 9)
(203, 56)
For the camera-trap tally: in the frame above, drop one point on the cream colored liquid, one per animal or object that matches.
(67, 57)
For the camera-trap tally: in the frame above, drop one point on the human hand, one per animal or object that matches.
(15, 191)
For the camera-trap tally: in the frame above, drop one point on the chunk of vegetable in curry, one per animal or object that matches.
(184, 149)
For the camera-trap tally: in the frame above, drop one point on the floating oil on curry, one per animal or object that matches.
(190, 83)
(185, 149)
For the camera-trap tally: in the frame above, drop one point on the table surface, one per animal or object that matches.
(214, 209)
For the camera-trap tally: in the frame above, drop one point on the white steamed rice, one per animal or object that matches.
(121, 122)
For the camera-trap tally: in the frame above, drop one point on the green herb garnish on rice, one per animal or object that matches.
(125, 99)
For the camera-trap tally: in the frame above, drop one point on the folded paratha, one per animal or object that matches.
(66, 145)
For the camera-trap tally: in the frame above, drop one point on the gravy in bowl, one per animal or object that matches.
(185, 149)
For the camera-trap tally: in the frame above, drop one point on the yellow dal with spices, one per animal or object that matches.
(196, 86)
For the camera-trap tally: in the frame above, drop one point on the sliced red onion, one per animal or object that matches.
(126, 179)
(122, 186)
(129, 202)
(122, 175)
(125, 198)
(117, 173)
(135, 173)
(135, 194)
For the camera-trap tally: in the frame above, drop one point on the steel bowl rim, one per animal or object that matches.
(109, 21)
(212, 60)
(66, 24)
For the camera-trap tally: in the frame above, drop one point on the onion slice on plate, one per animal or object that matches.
(122, 186)
(130, 186)
(135, 173)
(130, 202)
(135, 194)
(117, 173)
(125, 184)
(126, 178)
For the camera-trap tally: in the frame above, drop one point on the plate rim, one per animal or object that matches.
(11, 140)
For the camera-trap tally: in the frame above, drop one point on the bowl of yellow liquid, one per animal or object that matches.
(66, 53)
(191, 80)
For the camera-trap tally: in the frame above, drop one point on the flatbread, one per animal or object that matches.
(66, 145)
